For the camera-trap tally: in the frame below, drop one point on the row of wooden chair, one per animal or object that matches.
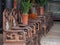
(15, 33)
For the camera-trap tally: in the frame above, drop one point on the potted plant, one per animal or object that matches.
(42, 4)
(33, 10)
(26, 5)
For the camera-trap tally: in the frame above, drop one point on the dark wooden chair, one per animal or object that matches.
(15, 34)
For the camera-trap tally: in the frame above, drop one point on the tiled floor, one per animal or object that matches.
(53, 37)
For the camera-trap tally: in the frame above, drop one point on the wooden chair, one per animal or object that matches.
(15, 34)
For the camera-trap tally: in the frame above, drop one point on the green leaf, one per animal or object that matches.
(43, 2)
(26, 6)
